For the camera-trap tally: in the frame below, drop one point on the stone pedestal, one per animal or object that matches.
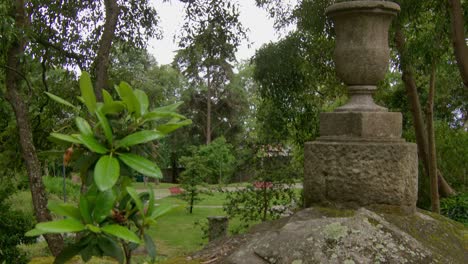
(217, 227)
(361, 160)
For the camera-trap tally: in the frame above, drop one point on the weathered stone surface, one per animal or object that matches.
(370, 125)
(217, 227)
(357, 174)
(362, 54)
(325, 235)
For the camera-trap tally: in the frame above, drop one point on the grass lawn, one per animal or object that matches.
(175, 233)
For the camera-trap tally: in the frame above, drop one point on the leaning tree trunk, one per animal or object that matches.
(28, 151)
(435, 203)
(459, 39)
(415, 106)
(105, 44)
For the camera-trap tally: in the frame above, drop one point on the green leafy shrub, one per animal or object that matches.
(13, 225)
(456, 208)
(111, 218)
(270, 195)
(193, 179)
(54, 185)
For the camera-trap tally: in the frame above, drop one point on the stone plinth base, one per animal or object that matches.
(356, 174)
(369, 125)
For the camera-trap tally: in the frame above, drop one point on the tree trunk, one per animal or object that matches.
(28, 151)
(415, 106)
(102, 59)
(208, 108)
(435, 203)
(459, 39)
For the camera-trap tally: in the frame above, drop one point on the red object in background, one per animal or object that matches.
(263, 185)
(175, 190)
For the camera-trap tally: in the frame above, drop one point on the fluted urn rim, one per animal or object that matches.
(385, 7)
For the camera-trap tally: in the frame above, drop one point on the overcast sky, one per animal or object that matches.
(171, 19)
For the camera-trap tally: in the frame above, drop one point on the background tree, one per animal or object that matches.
(16, 17)
(211, 35)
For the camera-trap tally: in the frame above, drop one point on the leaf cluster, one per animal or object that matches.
(109, 134)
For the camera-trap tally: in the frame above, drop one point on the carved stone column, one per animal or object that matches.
(360, 158)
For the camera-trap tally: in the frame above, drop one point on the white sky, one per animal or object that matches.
(171, 19)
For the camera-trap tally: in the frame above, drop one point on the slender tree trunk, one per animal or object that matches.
(435, 203)
(208, 108)
(459, 39)
(102, 59)
(192, 201)
(415, 106)
(265, 202)
(28, 151)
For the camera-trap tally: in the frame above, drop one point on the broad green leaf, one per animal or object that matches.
(169, 127)
(60, 100)
(67, 253)
(80, 99)
(34, 232)
(143, 100)
(129, 98)
(105, 125)
(92, 144)
(106, 201)
(111, 248)
(84, 127)
(150, 246)
(85, 210)
(107, 97)
(93, 228)
(64, 209)
(154, 116)
(106, 172)
(113, 108)
(134, 194)
(91, 249)
(161, 210)
(141, 165)
(150, 208)
(87, 92)
(66, 138)
(60, 226)
(138, 138)
(168, 108)
(121, 232)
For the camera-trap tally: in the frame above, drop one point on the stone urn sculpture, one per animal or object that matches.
(362, 54)
(360, 158)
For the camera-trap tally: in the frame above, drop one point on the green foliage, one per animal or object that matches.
(217, 161)
(452, 157)
(13, 225)
(270, 195)
(193, 179)
(54, 185)
(456, 207)
(111, 217)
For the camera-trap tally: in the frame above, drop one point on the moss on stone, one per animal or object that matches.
(335, 212)
(441, 235)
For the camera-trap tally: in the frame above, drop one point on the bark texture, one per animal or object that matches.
(459, 38)
(435, 203)
(415, 106)
(28, 151)
(105, 44)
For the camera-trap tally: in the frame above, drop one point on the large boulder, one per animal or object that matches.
(324, 235)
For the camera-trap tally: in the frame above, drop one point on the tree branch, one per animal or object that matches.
(459, 39)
